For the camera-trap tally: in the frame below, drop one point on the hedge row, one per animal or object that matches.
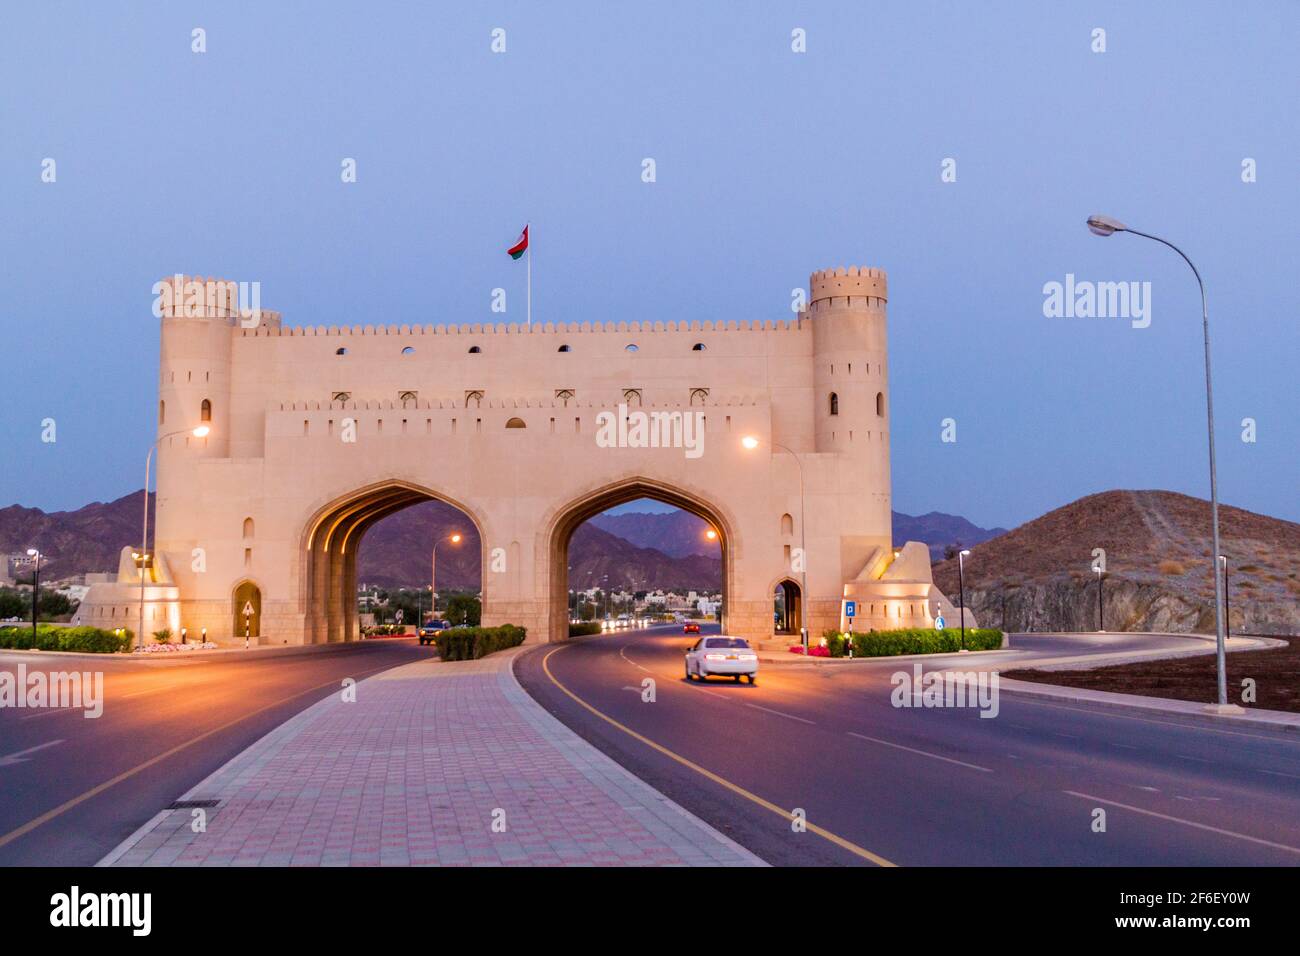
(471, 643)
(585, 628)
(84, 640)
(912, 640)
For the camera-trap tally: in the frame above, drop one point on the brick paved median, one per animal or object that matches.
(414, 773)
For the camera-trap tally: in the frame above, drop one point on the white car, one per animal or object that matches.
(724, 656)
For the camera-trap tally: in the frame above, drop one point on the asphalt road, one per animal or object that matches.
(72, 788)
(911, 786)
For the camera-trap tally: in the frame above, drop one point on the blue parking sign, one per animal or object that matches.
(850, 608)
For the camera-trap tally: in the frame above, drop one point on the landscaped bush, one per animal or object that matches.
(914, 640)
(373, 630)
(84, 640)
(471, 643)
(583, 629)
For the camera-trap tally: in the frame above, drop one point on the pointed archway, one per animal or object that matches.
(564, 521)
(331, 541)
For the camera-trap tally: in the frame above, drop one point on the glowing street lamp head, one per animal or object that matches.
(201, 432)
(750, 442)
(1105, 225)
(964, 554)
(455, 539)
(32, 552)
(711, 535)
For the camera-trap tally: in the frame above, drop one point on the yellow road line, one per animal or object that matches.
(709, 774)
(64, 807)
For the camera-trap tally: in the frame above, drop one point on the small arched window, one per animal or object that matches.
(835, 404)
(474, 398)
(340, 351)
(632, 396)
(630, 347)
(698, 347)
(248, 528)
(162, 412)
(787, 524)
(474, 350)
(341, 397)
(205, 411)
(516, 423)
(409, 350)
(880, 404)
(564, 394)
(699, 396)
(564, 348)
(405, 397)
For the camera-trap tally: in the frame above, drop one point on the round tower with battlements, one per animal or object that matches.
(851, 374)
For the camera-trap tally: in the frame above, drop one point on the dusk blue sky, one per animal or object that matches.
(771, 164)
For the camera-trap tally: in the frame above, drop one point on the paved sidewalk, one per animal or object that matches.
(413, 773)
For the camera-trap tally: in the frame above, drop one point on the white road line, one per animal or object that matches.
(629, 660)
(53, 712)
(923, 753)
(1190, 757)
(1123, 746)
(1188, 823)
(21, 755)
(1279, 773)
(779, 713)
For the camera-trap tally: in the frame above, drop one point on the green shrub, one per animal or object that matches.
(84, 640)
(919, 640)
(583, 629)
(164, 636)
(471, 643)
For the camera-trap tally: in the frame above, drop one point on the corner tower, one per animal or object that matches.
(851, 373)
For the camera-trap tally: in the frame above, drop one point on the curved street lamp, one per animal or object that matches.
(1106, 226)
(453, 538)
(142, 557)
(750, 443)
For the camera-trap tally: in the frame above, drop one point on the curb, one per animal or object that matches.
(223, 653)
(1108, 700)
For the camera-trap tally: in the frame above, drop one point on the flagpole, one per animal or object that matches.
(530, 275)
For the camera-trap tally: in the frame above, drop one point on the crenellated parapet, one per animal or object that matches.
(856, 282)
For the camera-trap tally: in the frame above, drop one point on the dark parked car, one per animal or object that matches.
(429, 630)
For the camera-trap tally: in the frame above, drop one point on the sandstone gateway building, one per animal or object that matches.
(318, 433)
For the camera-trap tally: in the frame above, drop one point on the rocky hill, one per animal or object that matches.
(1157, 543)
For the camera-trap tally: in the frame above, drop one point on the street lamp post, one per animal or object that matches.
(1227, 613)
(1106, 226)
(35, 555)
(750, 442)
(1101, 618)
(142, 558)
(454, 538)
(961, 587)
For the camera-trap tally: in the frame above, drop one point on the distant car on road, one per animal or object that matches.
(690, 629)
(725, 656)
(429, 630)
